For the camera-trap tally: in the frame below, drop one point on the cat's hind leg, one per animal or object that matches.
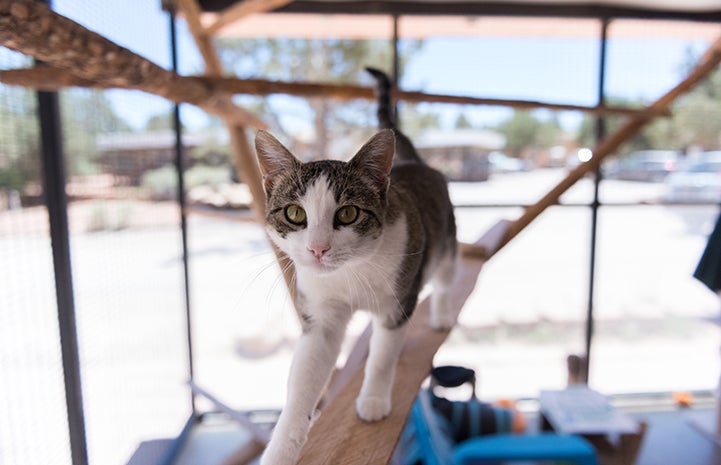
(442, 317)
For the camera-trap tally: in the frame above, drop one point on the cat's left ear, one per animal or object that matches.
(273, 157)
(375, 158)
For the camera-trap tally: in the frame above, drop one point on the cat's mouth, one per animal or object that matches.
(321, 265)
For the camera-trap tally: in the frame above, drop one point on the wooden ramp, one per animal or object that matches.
(339, 437)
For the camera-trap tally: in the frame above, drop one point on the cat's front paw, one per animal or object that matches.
(280, 454)
(285, 445)
(372, 408)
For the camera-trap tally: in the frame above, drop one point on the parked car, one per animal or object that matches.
(645, 165)
(698, 180)
(502, 163)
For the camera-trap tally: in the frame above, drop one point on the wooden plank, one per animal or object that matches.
(191, 11)
(338, 437)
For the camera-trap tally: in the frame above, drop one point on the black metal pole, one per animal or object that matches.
(396, 66)
(600, 132)
(181, 201)
(53, 168)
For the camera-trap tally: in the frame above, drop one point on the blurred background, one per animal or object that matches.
(656, 328)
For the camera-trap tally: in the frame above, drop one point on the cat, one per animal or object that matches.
(366, 234)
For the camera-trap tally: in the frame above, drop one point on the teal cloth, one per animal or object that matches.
(708, 270)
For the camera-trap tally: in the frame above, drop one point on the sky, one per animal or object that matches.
(546, 69)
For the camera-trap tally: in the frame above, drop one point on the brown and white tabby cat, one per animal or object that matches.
(366, 234)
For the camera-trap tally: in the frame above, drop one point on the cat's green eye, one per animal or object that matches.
(295, 214)
(346, 215)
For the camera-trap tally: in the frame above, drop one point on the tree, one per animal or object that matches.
(695, 119)
(586, 136)
(20, 150)
(523, 131)
(160, 121)
(85, 115)
(462, 122)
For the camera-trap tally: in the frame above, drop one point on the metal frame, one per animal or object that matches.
(54, 170)
(472, 8)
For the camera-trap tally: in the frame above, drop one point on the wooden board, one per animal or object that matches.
(338, 437)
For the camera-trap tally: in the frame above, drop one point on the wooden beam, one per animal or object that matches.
(708, 63)
(350, 92)
(34, 29)
(242, 9)
(191, 11)
(53, 79)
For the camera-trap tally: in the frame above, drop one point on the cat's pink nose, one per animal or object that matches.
(318, 250)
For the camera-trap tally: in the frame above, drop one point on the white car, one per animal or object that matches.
(699, 180)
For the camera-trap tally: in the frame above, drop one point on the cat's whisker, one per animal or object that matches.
(279, 279)
(252, 281)
(373, 301)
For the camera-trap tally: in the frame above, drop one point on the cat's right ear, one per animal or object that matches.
(273, 158)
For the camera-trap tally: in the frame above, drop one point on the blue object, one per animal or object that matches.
(434, 446)
(510, 448)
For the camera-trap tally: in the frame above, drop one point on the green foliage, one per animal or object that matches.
(12, 178)
(212, 176)
(109, 217)
(85, 115)
(416, 118)
(161, 121)
(523, 130)
(161, 183)
(695, 121)
(462, 122)
(20, 150)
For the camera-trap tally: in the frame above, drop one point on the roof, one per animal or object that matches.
(477, 138)
(576, 8)
(157, 140)
(423, 18)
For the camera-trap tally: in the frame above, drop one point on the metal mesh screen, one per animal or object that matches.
(126, 245)
(33, 423)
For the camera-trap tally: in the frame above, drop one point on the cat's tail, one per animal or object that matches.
(405, 152)
(386, 111)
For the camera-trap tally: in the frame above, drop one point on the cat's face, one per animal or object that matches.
(326, 214)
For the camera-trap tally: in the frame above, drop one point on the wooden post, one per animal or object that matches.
(242, 9)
